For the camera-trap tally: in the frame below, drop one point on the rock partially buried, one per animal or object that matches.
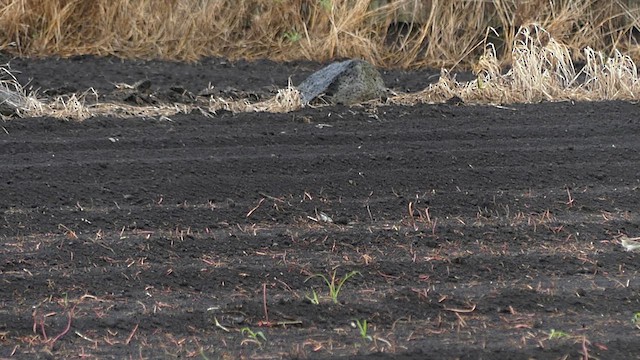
(347, 82)
(11, 103)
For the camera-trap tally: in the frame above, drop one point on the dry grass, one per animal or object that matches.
(400, 33)
(483, 35)
(542, 70)
(84, 106)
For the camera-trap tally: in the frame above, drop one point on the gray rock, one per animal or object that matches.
(347, 82)
(11, 103)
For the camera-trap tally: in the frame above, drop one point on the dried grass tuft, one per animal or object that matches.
(542, 70)
(286, 100)
(64, 107)
(610, 78)
(14, 99)
(83, 106)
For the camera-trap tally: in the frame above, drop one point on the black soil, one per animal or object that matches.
(471, 232)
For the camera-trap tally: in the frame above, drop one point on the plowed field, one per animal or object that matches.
(471, 232)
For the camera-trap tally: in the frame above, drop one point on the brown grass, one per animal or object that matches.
(542, 70)
(540, 40)
(83, 106)
(399, 33)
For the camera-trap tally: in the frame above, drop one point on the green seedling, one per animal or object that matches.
(636, 319)
(292, 36)
(557, 334)
(326, 4)
(203, 355)
(253, 336)
(313, 298)
(363, 328)
(335, 284)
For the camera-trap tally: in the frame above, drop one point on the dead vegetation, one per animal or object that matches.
(542, 70)
(398, 33)
(537, 41)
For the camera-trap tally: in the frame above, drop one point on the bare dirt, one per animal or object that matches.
(471, 232)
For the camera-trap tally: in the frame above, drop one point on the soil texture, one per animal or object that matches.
(454, 231)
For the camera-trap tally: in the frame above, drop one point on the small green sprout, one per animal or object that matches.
(362, 328)
(292, 36)
(326, 4)
(313, 298)
(557, 334)
(636, 319)
(335, 284)
(253, 336)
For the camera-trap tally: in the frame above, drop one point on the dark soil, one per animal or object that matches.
(476, 232)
